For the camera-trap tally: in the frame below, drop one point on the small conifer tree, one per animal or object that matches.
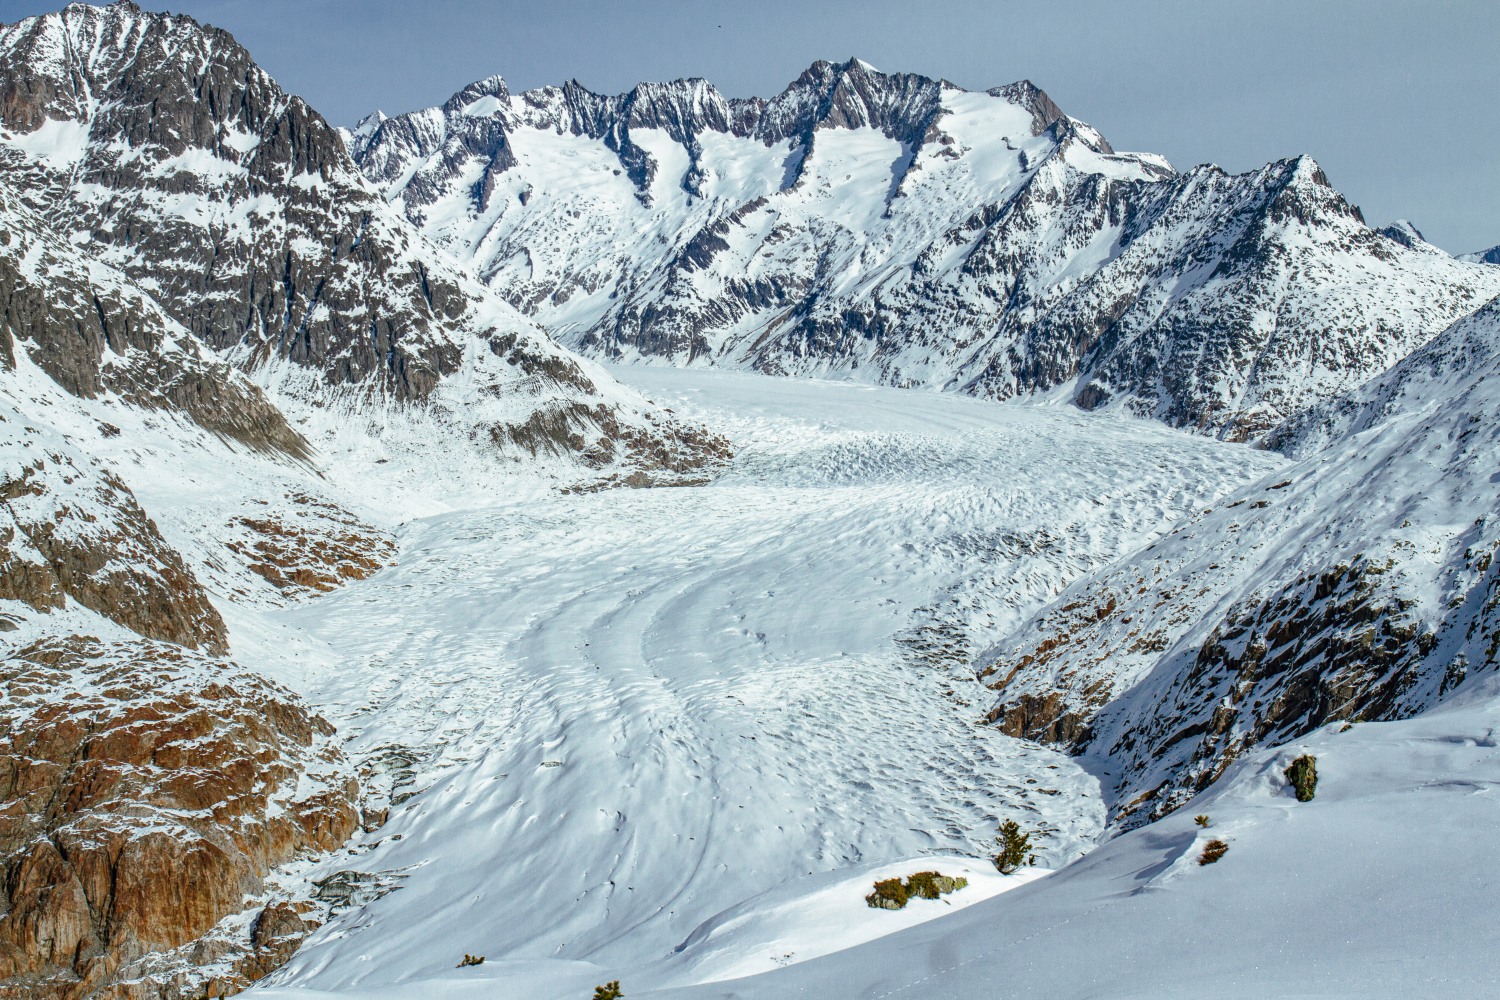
(1201, 821)
(1015, 847)
(1213, 851)
(609, 991)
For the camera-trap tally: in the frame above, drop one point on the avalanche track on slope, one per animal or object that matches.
(607, 717)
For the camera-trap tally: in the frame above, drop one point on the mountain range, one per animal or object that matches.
(246, 357)
(902, 231)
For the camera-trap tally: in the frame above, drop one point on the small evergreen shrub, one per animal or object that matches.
(1201, 821)
(470, 960)
(893, 894)
(1303, 775)
(609, 991)
(889, 894)
(1015, 848)
(1213, 851)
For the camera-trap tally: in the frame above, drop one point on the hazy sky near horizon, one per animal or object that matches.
(1396, 100)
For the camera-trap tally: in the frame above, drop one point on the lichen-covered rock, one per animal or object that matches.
(145, 792)
(1302, 775)
(894, 893)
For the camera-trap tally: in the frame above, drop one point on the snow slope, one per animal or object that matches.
(1490, 256)
(1375, 889)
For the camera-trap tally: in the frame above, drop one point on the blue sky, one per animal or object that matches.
(1397, 100)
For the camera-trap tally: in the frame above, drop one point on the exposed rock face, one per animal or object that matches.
(145, 792)
(1349, 588)
(211, 137)
(70, 528)
(307, 546)
(88, 328)
(900, 230)
(158, 146)
(1405, 233)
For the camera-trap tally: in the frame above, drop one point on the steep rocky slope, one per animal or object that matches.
(901, 230)
(1362, 584)
(94, 333)
(158, 146)
(148, 791)
(71, 529)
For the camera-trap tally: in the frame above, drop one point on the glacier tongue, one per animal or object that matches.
(622, 714)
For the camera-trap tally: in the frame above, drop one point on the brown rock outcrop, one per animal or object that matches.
(310, 546)
(145, 792)
(72, 528)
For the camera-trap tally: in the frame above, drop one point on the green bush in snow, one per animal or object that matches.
(1015, 847)
(1303, 774)
(893, 894)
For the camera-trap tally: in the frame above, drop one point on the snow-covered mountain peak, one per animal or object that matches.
(159, 147)
(1409, 236)
(1490, 256)
(898, 229)
(1025, 94)
(1403, 231)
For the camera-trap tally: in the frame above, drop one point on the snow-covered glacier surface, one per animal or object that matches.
(671, 735)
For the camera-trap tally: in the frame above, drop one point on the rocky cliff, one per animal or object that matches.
(148, 785)
(95, 333)
(147, 792)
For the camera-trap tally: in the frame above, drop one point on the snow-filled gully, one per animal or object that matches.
(619, 714)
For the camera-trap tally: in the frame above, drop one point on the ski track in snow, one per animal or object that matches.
(610, 716)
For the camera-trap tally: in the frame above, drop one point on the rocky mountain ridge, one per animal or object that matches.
(158, 147)
(900, 230)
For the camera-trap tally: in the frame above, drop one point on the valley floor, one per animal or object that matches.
(609, 718)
